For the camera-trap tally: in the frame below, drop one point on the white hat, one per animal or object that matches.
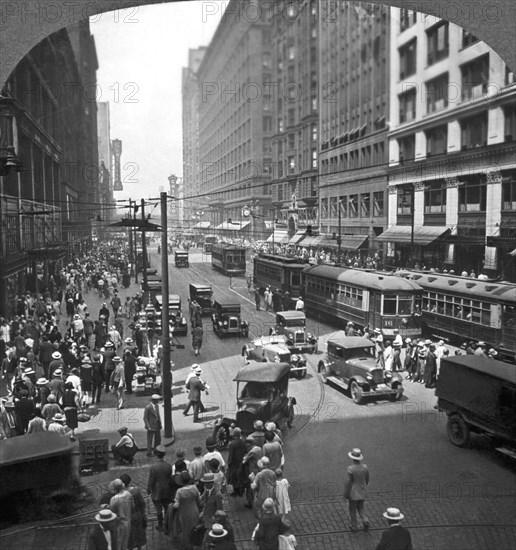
(356, 454)
(217, 530)
(198, 370)
(105, 515)
(29, 342)
(56, 355)
(195, 366)
(108, 344)
(29, 370)
(128, 340)
(59, 417)
(481, 344)
(393, 514)
(41, 381)
(155, 397)
(263, 462)
(440, 343)
(117, 359)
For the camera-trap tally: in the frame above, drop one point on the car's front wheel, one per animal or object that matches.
(357, 393)
(458, 431)
(290, 418)
(221, 434)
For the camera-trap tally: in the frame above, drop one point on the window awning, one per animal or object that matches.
(348, 242)
(233, 226)
(297, 237)
(311, 240)
(202, 225)
(279, 236)
(403, 234)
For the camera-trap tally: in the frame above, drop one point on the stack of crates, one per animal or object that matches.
(94, 456)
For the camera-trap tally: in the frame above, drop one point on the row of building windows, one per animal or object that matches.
(358, 158)
(357, 205)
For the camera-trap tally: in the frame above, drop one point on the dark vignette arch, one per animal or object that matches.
(24, 23)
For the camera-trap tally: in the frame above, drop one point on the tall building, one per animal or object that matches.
(452, 149)
(353, 116)
(235, 120)
(191, 100)
(295, 68)
(105, 160)
(48, 176)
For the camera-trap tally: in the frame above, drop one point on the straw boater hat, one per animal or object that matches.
(105, 515)
(59, 417)
(22, 359)
(56, 355)
(155, 397)
(208, 478)
(58, 372)
(268, 504)
(128, 340)
(117, 359)
(258, 425)
(108, 345)
(28, 371)
(393, 514)
(217, 531)
(263, 462)
(356, 454)
(198, 370)
(41, 381)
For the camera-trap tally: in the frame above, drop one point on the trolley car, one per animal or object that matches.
(228, 258)
(364, 297)
(460, 308)
(279, 272)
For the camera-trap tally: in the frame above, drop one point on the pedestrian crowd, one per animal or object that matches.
(58, 357)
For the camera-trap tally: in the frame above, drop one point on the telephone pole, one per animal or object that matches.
(165, 327)
(144, 250)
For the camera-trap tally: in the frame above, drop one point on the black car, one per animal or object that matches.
(181, 258)
(201, 296)
(226, 319)
(177, 321)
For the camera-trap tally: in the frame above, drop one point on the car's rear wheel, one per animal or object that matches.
(324, 373)
(221, 434)
(357, 393)
(458, 431)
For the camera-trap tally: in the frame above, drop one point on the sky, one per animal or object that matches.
(141, 53)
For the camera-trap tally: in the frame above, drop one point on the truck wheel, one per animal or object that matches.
(458, 431)
(356, 393)
(221, 434)
(290, 419)
(323, 372)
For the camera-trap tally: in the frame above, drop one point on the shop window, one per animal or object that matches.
(472, 195)
(509, 192)
(365, 205)
(405, 199)
(378, 199)
(435, 197)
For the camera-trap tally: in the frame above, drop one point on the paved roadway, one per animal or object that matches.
(453, 499)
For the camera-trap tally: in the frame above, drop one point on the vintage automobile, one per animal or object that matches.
(181, 258)
(200, 299)
(177, 321)
(478, 395)
(275, 350)
(350, 364)
(293, 325)
(262, 394)
(151, 289)
(226, 319)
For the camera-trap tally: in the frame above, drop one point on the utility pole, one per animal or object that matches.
(144, 250)
(339, 238)
(131, 248)
(135, 242)
(165, 338)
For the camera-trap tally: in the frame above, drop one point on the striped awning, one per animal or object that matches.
(279, 236)
(424, 235)
(297, 237)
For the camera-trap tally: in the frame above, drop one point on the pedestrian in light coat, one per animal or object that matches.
(356, 489)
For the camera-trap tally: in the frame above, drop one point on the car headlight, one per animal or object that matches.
(294, 358)
(388, 374)
(276, 359)
(183, 321)
(225, 323)
(290, 336)
(369, 377)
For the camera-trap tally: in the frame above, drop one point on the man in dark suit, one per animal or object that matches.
(152, 422)
(158, 484)
(46, 349)
(396, 537)
(104, 535)
(24, 409)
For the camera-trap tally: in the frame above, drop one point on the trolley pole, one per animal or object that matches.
(165, 335)
(135, 242)
(144, 251)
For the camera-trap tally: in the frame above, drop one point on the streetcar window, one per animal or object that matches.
(405, 306)
(389, 305)
(295, 279)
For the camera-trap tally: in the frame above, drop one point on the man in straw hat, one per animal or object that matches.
(104, 535)
(396, 537)
(152, 422)
(217, 537)
(355, 489)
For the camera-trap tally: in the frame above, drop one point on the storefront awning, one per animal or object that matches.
(232, 226)
(280, 236)
(297, 237)
(348, 242)
(311, 240)
(202, 225)
(403, 234)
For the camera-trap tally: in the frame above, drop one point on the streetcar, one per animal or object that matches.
(279, 272)
(459, 308)
(228, 258)
(364, 297)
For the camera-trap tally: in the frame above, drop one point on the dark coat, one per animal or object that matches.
(24, 409)
(395, 538)
(45, 352)
(151, 420)
(268, 532)
(195, 385)
(97, 540)
(158, 485)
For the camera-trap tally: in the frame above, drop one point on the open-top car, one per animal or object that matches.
(293, 325)
(350, 364)
(226, 319)
(181, 258)
(262, 394)
(275, 349)
(177, 321)
(200, 299)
